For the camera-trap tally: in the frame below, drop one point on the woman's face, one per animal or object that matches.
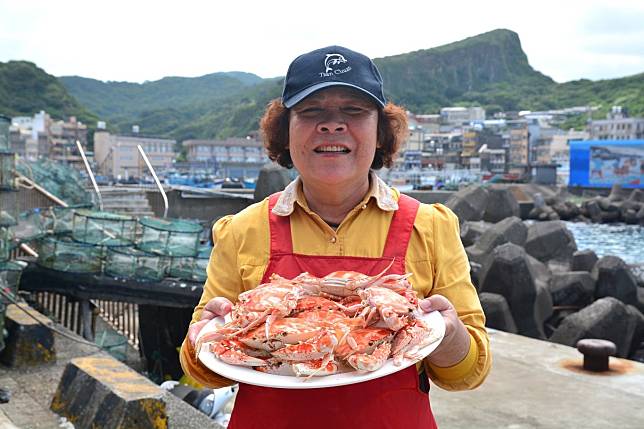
(332, 137)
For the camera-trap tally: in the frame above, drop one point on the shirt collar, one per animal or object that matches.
(378, 189)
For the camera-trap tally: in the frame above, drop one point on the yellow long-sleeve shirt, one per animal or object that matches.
(435, 256)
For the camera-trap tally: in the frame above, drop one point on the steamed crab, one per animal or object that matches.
(341, 284)
(393, 309)
(366, 349)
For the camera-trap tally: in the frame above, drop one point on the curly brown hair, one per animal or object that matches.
(392, 132)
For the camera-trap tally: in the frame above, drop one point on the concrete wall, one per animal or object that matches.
(206, 209)
(209, 208)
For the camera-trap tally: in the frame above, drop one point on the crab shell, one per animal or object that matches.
(394, 309)
(280, 333)
(366, 349)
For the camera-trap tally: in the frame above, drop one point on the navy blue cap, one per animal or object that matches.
(331, 66)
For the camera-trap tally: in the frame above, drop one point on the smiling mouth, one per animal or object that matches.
(331, 149)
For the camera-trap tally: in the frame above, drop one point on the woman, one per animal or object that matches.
(334, 125)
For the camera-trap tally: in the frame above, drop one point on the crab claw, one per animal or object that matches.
(313, 348)
(233, 352)
(318, 367)
(370, 362)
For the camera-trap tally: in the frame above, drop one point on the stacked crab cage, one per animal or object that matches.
(10, 271)
(79, 239)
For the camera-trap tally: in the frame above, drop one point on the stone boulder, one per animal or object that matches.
(630, 216)
(538, 200)
(501, 204)
(468, 203)
(509, 272)
(509, 230)
(637, 196)
(574, 288)
(497, 312)
(640, 299)
(550, 241)
(583, 260)
(591, 209)
(472, 231)
(566, 210)
(614, 278)
(616, 192)
(606, 319)
(272, 178)
(475, 271)
(640, 216)
(638, 336)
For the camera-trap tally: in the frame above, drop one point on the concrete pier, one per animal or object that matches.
(537, 384)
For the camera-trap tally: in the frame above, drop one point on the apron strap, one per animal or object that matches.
(398, 236)
(280, 228)
(401, 227)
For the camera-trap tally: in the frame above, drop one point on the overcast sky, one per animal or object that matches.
(139, 40)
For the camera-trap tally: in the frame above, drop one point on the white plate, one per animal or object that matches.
(257, 378)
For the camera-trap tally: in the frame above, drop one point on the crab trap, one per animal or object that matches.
(6, 243)
(8, 208)
(191, 268)
(103, 228)
(132, 263)
(32, 224)
(60, 180)
(10, 273)
(5, 123)
(7, 170)
(65, 254)
(60, 220)
(169, 237)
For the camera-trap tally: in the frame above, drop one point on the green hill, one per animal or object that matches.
(113, 99)
(426, 80)
(26, 89)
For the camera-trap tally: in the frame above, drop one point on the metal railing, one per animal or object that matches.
(123, 317)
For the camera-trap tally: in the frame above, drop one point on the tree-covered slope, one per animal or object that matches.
(26, 89)
(114, 99)
(426, 80)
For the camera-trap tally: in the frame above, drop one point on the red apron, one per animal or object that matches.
(394, 401)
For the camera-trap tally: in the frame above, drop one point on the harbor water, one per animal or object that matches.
(617, 239)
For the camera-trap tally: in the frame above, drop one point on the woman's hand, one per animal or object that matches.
(215, 307)
(456, 342)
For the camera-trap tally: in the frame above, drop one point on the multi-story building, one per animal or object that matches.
(560, 146)
(617, 126)
(518, 133)
(233, 157)
(41, 136)
(118, 156)
(62, 137)
(461, 115)
(541, 148)
(493, 160)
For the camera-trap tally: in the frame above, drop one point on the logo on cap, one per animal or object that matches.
(331, 62)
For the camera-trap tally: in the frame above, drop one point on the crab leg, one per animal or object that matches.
(325, 366)
(314, 348)
(370, 362)
(233, 353)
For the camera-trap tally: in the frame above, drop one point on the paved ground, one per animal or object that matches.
(536, 384)
(32, 391)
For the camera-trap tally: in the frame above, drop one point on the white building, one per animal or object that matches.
(233, 157)
(118, 156)
(461, 115)
(617, 126)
